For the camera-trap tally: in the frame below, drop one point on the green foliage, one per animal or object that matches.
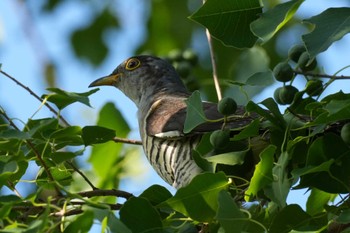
(229, 21)
(249, 173)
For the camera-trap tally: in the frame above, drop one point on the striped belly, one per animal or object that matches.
(172, 158)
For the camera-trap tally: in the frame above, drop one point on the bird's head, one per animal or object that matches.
(144, 78)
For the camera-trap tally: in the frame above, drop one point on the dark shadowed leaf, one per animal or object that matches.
(156, 194)
(198, 200)
(63, 98)
(229, 21)
(229, 216)
(140, 216)
(97, 134)
(330, 26)
(82, 223)
(195, 114)
(290, 218)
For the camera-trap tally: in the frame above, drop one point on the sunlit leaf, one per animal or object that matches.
(273, 20)
(229, 158)
(262, 174)
(317, 200)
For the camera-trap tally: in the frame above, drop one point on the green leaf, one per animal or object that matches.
(156, 194)
(97, 134)
(317, 201)
(229, 21)
(230, 158)
(14, 134)
(200, 153)
(249, 131)
(330, 26)
(63, 98)
(261, 79)
(271, 21)
(108, 219)
(290, 218)
(344, 217)
(198, 200)
(40, 127)
(7, 169)
(70, 135)
(336, 110)
(140, 216)
(104, 157)
(195, 114)
(92, 34)
(82, 223)
(273, 115)
(326, 166)
(229, 216)
(280, 187)
(262, 174)
(61, 156)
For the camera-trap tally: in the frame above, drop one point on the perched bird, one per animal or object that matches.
(159, 94)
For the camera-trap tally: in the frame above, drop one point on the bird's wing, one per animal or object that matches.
(167, 117)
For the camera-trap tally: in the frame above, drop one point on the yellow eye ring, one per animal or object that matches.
(132, 64)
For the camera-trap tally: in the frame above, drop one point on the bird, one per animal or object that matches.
(159, 94)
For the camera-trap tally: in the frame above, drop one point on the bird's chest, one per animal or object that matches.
(171, 158)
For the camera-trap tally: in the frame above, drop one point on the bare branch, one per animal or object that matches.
(128, 141)
(340, 77)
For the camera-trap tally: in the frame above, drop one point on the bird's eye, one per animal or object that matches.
(132, 64)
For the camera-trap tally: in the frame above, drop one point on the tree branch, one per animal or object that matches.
(36, 97)
(322, 75)
(105, 192)
(128, 141)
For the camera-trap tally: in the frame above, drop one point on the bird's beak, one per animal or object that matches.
(109, 80)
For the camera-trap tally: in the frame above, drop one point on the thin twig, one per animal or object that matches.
(82, 175)
(213, 63)
(106, 192)
(128, 141)
(35, 96)
(322, 75)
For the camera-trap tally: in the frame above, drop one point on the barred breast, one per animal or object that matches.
(172, 159)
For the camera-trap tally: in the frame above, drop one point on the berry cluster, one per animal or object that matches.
(184, 62)
(284, 72)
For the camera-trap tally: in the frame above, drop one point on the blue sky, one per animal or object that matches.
(19, 58)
